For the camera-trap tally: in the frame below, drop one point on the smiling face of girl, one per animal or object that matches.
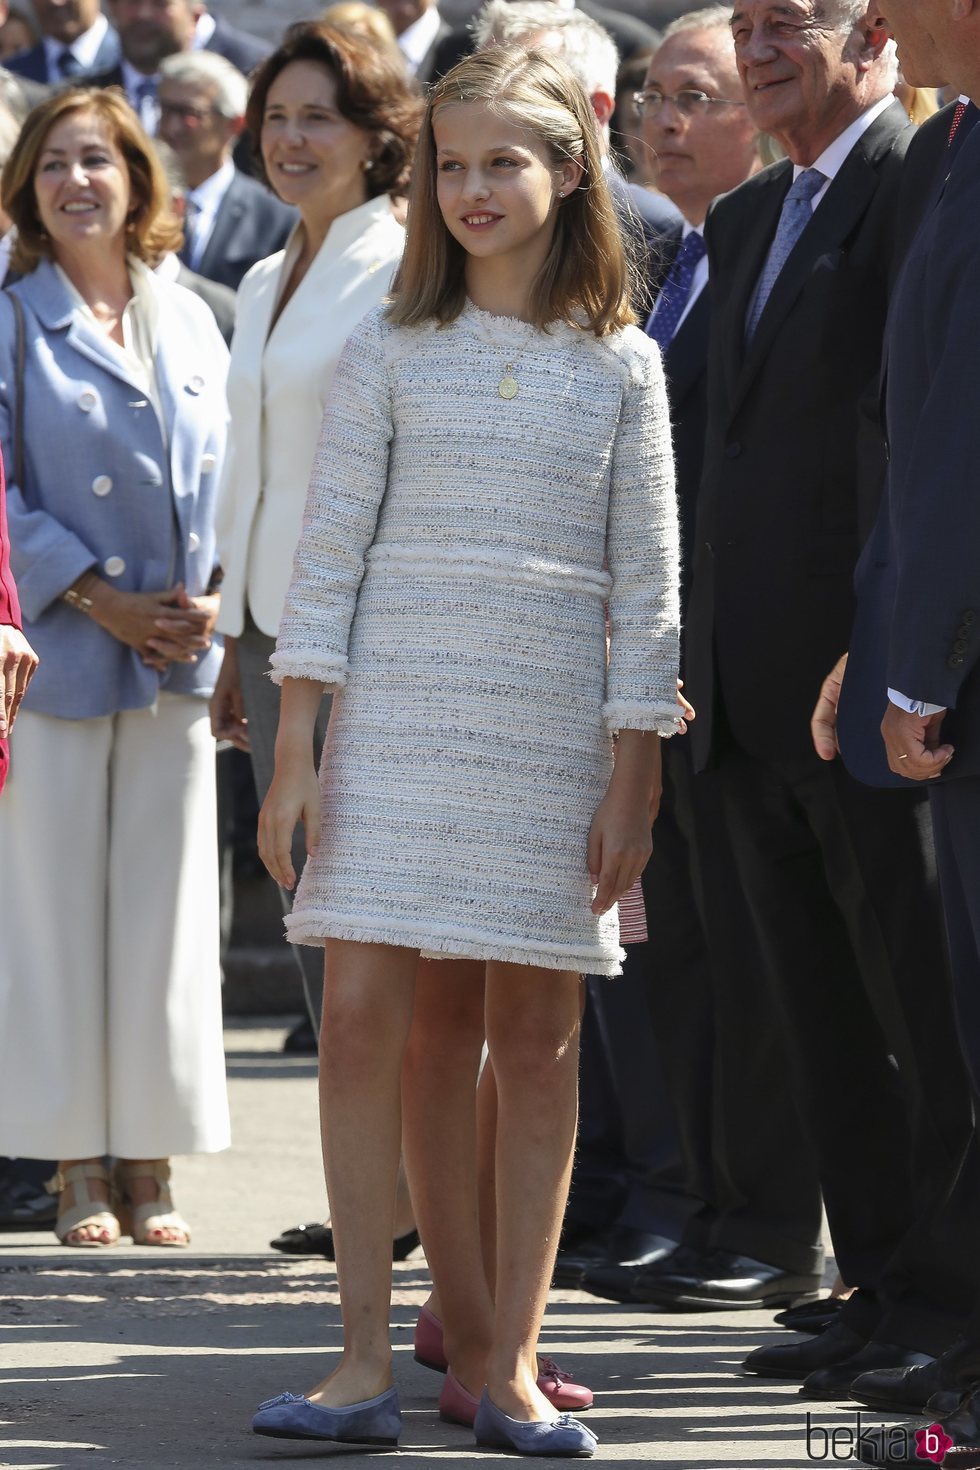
(497, 186)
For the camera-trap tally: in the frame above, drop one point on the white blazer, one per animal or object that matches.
(278, 385)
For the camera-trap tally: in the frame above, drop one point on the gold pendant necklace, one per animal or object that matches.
(508, 387)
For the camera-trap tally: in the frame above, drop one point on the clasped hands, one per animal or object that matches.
(913, 742)
(164, 627)
(17, 664)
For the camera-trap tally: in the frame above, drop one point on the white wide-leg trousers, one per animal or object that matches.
(110, 998)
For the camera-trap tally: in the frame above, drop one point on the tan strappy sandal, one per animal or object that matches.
(141, 1221)
(87, 1210)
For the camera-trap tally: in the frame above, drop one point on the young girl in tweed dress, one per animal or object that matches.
(494, 469)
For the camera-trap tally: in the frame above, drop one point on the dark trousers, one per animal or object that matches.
(723, 1056)
(628, 1161)
(841, 881)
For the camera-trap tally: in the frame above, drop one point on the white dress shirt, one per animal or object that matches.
(84, 48)
(203, 205)
(416, 40)
(836, 154)
(147, 107)
(203, 30)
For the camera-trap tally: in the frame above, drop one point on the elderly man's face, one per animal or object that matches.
(149, 30)
(913, 24)
(798, 62)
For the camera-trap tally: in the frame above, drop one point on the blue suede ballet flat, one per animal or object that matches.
(290, 1416)
(566, 1437)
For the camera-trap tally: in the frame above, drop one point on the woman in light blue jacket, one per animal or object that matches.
(112, 420)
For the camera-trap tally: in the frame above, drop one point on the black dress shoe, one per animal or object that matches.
(800, 1359)
(632, 1251)
(301, 1041)
(899, 1445)
(810, 1316)
(25, 1205)
(317, 1240)
(581, 1250)
(726, 1282)
(899, 1390)
(834, 1381)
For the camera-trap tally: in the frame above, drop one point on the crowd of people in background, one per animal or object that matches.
(208, 244)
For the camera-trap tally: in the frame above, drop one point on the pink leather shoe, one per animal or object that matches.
(428, 1342)
(456, 1406)
(561, 1390)
(556, 1385)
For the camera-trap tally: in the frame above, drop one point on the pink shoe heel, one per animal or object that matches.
(554, 1382)
(456, 1406)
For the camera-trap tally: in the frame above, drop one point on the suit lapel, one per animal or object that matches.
(55, 307)
(226, 223)
(820, 247)
(765, 203)
(687, 354)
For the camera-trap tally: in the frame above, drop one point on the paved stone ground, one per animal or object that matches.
(154, 1361)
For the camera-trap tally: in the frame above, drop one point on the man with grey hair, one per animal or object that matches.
(839, 878)
(231, 221)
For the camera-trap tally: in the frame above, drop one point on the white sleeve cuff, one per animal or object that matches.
(914, 706)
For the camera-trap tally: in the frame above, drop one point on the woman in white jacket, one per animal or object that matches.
(336, 122)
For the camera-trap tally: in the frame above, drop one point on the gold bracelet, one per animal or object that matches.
(76, 599)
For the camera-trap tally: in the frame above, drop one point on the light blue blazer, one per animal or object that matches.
(107, 487)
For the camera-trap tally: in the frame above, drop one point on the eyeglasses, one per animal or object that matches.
(687, 103)
(191, 117)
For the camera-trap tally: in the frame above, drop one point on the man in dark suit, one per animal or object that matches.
(909, 709)
(149, 30)
(76, 40)
(839, 878)
(756, 1240)
(230, 221)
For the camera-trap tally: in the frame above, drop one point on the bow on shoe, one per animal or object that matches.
(283, 1398)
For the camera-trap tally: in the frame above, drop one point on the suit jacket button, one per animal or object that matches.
(732, 451)
(196, 384)
(115, 566)
(101, 485)
(709, 548)
(87, 400)
(208, 462)
(954, 660)
(193, 541)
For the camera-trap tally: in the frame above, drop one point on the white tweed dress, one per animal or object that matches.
(449, 585)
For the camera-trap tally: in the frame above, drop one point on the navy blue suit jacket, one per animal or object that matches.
(917, 625)
(33, 64)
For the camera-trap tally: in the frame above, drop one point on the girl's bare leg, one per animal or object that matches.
(440, 1144)
(486, 1147)
(367, 1011)
(532, 1019)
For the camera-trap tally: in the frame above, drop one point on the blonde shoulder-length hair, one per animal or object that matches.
(586, 278)
(152, 229)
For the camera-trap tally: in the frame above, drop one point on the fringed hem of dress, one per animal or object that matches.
(312, 926)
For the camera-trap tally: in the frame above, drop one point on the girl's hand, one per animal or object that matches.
(294, 796)
(619, 846)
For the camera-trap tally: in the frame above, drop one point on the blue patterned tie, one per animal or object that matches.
(665, 318)
(797, 214)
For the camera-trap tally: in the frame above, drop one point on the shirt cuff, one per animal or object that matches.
(915, 706)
